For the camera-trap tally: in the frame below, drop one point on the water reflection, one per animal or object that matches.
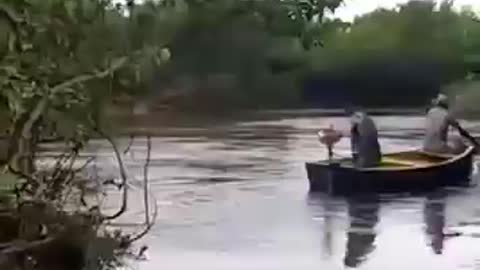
(434, 216)
(328, 228)
(321, 209)
(325, 208)
(363, 214)
(256, 136)
(232, 197)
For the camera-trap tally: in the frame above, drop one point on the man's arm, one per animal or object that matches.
(454, 123)
(354, 138)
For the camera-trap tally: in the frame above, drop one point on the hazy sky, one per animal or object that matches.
(351, 8)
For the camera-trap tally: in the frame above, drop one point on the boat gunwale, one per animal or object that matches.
(448, 161)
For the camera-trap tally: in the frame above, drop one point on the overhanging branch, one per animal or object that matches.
(41, 107)
(117, 64)
(12, 20)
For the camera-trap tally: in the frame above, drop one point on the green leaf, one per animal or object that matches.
(70, 7)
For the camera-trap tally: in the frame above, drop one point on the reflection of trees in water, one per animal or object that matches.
(434, 216)
(328, 212)
(363, 213)
(326, 207)
(264, 147)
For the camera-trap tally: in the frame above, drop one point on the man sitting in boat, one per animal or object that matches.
(364, 139)
(438, 122)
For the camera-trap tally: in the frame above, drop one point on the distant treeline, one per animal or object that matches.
(398, 57)
(228, 54)
(381, 81)
(261, 56)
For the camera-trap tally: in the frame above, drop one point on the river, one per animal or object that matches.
(235, 196)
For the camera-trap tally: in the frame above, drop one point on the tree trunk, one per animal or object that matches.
(22, 148)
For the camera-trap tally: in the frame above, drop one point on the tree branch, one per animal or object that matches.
(85, 165)
(14, 22)
(117, 64)
(8, 14)
(42, 105)
(149, 222)
(123, 175)
(145, 180)
(150, 225)
(130, 143)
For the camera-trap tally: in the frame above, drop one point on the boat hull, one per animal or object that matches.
(338, 179)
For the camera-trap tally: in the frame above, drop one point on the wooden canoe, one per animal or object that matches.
(398, 172)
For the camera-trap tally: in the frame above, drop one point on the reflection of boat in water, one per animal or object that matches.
(361, 234)
(412, 170)
(329, 209)
(325, 207)
(434, 214)
(363, 213)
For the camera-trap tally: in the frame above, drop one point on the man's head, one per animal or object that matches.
(442, 101)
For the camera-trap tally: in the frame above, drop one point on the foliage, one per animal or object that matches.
(415, 28)
(245, 54)
(64, 62)
(254, 54)
(63, 57)
(399, 56)
(59, 61)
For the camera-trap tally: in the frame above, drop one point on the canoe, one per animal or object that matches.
(398, 172)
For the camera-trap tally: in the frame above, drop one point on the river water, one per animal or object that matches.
(235, 196)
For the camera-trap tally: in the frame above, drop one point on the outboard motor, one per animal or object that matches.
(329, 137)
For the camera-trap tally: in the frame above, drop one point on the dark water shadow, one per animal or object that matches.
(327, 208)
(363, 215)
(434, 217)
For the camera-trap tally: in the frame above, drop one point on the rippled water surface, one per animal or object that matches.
(235, 196)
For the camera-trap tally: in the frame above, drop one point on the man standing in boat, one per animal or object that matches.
(437, 125)
(364, 139)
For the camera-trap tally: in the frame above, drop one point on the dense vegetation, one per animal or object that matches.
(63, 63)
(397, 57)
(275, 54)
(400, 57)
(60, 64)
(255, 54)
